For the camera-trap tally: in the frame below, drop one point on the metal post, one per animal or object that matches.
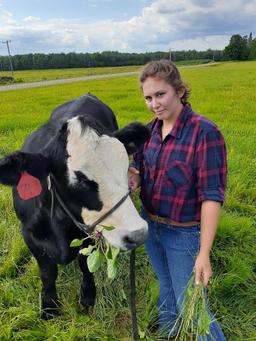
(9, 54)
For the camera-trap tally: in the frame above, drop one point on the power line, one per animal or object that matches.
(9, 54)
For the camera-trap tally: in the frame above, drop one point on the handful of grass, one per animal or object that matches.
(193, 320)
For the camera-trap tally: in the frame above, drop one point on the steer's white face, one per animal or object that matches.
(104, 160)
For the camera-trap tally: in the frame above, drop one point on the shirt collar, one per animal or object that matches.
(178, 125)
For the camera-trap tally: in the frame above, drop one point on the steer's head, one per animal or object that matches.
(99, 163)
(91, 173)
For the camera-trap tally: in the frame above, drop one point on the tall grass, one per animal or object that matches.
(223, 92)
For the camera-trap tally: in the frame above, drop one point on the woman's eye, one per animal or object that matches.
(160, 94)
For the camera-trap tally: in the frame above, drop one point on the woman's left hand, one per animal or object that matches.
(202, 269)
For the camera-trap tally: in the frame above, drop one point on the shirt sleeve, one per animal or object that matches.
(211, 166)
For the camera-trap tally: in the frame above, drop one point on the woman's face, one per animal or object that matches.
(162, 99)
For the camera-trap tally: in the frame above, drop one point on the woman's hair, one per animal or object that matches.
(167, 70)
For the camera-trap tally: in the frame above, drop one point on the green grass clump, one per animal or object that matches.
(193, 320)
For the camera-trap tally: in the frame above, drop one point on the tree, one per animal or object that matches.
(238, 48)
(252, 55)
(250, 40)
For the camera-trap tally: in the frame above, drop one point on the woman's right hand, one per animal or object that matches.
(133, 178)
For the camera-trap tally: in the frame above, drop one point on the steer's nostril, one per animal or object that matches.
(129, 240)
(135, 238)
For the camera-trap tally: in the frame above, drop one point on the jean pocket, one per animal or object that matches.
(185, 240)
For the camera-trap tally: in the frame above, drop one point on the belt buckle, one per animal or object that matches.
(157, 219)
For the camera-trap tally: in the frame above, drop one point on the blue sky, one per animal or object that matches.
(90, 10)
(127, 26)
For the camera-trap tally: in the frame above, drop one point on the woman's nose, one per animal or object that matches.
(155, 103)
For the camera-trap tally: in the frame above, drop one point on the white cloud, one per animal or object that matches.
(6, 18)
(184, 24)
(250, 8)
(31, 19)
(202, 43)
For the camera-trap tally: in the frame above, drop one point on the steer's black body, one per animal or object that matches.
(49, 237)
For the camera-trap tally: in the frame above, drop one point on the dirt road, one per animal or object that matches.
(79, 79)
(62, 81)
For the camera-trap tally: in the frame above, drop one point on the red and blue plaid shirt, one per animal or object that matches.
(184, 170)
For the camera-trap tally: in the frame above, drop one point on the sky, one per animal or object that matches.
(45, 26)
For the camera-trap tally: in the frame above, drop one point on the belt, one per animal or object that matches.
(168, 221)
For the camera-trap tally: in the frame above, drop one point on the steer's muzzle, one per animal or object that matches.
(135, 238)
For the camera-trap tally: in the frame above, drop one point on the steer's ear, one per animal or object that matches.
(132, 136)
(13, 165)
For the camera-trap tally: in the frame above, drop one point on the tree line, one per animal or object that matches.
(239, 48)
(98, 59)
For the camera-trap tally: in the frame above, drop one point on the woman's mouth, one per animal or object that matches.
(158, 113)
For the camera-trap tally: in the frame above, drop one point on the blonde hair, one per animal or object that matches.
(167, 70)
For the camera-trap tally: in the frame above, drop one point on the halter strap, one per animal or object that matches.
(83, 227)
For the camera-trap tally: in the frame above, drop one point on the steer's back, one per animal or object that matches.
(88, 106)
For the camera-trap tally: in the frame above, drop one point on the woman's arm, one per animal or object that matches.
(210, 213)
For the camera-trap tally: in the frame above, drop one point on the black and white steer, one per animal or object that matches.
(82, 152)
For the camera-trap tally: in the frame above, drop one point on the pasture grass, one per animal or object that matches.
(223, 92)
(28, 76)
(192, 61)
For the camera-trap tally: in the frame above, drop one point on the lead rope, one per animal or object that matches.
(133, 289)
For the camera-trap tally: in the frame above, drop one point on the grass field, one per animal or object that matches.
(223, 92)
(45, 75)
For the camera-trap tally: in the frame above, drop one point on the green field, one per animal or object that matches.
(223, 92)
(45, 75)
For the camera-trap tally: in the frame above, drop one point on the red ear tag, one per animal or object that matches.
(28, 187)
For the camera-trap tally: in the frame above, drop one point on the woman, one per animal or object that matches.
(182, 174)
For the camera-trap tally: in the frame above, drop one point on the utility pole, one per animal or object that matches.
(170, 51)
(9, 54)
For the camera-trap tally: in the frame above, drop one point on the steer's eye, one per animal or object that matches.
(82, 182)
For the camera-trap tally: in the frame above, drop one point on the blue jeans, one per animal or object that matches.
(172, 252)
